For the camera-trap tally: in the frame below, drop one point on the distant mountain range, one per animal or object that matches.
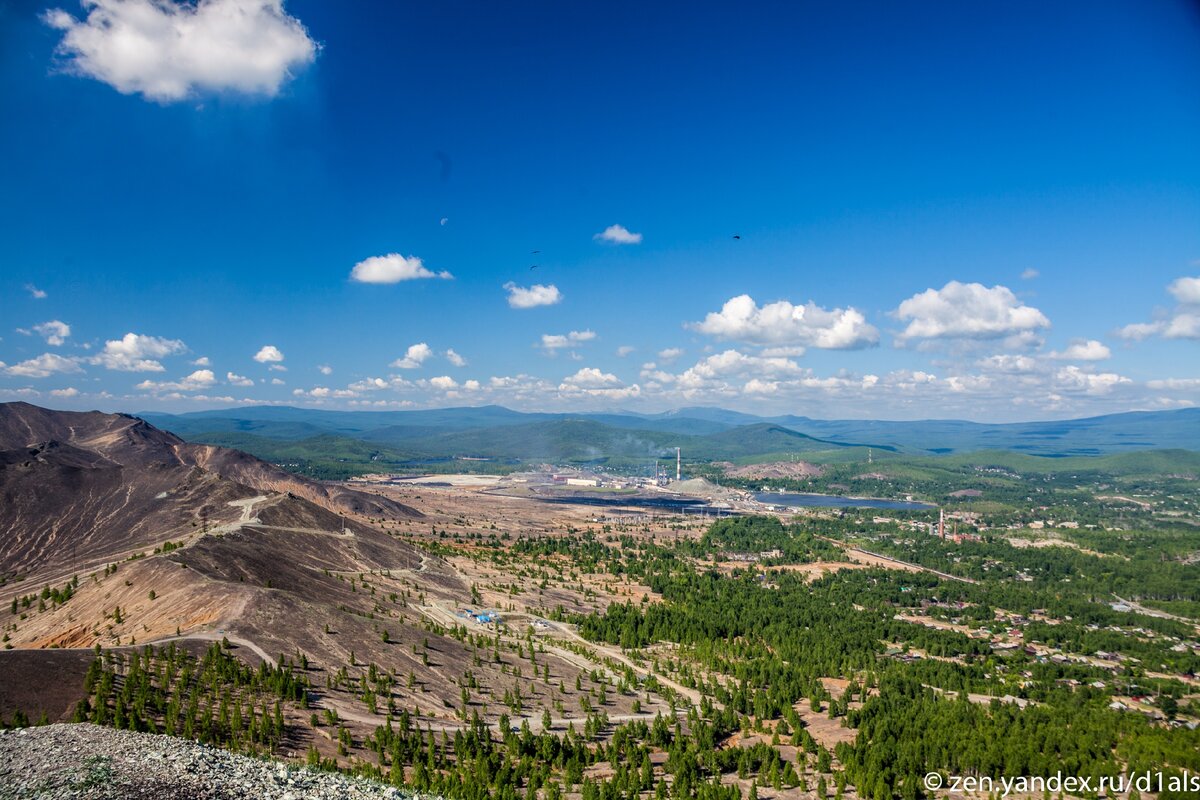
(703, 433)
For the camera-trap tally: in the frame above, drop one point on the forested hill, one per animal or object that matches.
(705, 432)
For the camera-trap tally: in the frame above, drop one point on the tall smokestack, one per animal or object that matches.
(678, 465)
(941, 523)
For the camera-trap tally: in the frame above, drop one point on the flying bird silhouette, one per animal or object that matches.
(535, 266)
(534, 252)
(737, 236)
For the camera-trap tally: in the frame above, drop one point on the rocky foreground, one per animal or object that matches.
(55, 762)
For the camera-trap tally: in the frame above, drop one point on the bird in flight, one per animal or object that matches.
(535, 266)
(534, 252)
(737, 236)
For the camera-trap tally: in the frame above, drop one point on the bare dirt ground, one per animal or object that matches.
(776, 469)
(810, 572)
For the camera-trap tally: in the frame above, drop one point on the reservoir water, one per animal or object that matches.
(834, 501)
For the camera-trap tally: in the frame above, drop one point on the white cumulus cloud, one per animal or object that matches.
(670, 354)
(1080, 350)
(238, 380)
(43, 366)
(325, 369)
(618, 234)
(1181, 323)
(1073, 378)
(200, 379)
(591, 378)
(135, 352)
(455, 359)
(969, 311)
(69, 391)
(167, 50)
(393, 268)
(532, 296)
(779, 323)
(1186, 290)
(54, 332)
(552, 342)
(413, 357)
(37, 293)
(268, 354)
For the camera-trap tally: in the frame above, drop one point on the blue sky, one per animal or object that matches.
(988, 211)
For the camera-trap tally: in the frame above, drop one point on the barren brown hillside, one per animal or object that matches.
(80, 489)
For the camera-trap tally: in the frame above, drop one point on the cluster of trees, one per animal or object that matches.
(1147, 572)
(214, 699)
(472, 764)
(906, 730)
(55, 595)
(754, 535)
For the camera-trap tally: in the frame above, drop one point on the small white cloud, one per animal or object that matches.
(969, 311)
(202, 361)
(200, 379)
(443, 221)
(1174, 383)
(169, 50)
(1182, 323)
(277, 382)
(1183, 326)
(43, 366)
(54, 332)
(782, 352)
(781, 323)
(238, 380)
(591, 378)
(670, 354)
(443, 383)
(1072, 378)
(455, 359)
(413, 357)
(268, 354)
(69, 391)
(1080, 350)
(370, 385)
(625, 350)
(756, 386)
(553, 342)
(533, 296)
(37, 293)
(618, 234)
(393, 268)
(325, 369)
(135, 352)
(1186, 290)
(1029, 274)
(1139, 331)
(324, 392)
(1010, 364)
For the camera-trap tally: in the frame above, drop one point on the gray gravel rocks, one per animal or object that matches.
(61, 762)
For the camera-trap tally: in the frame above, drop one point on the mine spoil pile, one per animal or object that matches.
(56, 762)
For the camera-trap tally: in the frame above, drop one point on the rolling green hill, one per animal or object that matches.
(338, 444)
